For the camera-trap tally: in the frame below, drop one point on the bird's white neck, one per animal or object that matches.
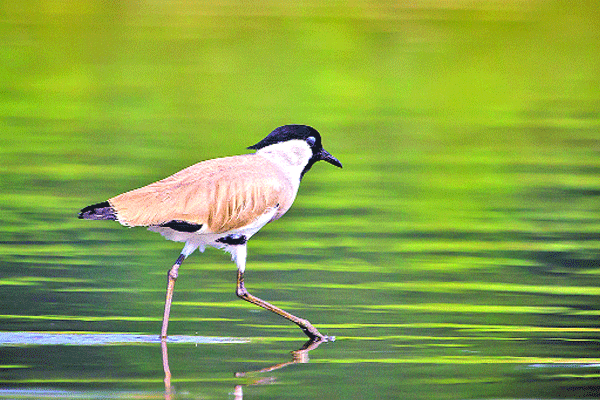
(291, 156)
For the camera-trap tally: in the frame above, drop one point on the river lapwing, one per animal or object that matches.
(223, 202)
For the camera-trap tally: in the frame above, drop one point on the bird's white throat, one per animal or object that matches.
(291, 156)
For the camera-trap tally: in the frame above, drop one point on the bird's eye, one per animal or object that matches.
(311, 140)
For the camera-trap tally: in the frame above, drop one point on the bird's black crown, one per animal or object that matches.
(290, 132)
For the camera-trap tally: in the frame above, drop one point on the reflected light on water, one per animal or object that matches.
(101, 339)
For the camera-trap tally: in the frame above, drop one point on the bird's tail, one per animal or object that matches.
(98, 211)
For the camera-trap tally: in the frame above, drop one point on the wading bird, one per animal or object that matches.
(223, 202)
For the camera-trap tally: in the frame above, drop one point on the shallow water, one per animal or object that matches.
(455, 256)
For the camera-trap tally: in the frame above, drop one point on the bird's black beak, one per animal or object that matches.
(325, 156)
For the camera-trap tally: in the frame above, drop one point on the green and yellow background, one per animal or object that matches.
(456, 254)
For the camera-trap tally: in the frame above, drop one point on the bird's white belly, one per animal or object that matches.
(200, 239)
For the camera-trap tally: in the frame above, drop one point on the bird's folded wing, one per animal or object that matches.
(220, 194)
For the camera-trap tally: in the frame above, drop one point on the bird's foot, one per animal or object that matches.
(313, 334)
(322, 338)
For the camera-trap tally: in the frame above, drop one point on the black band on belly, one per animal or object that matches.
(233, 239)
(182, 226)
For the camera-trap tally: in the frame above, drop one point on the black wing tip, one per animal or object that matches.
(99, 211)
(182, 226)
(233, 240)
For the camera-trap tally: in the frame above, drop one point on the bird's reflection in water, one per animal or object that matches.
(299, 356)
(165, 360)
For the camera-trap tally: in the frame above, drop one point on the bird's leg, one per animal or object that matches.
(171, 278)
(308, 329)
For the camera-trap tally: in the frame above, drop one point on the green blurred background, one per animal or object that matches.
(459, 244)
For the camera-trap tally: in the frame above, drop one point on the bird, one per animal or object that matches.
(222, 203)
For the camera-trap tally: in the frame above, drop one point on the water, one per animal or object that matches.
(455, 255)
